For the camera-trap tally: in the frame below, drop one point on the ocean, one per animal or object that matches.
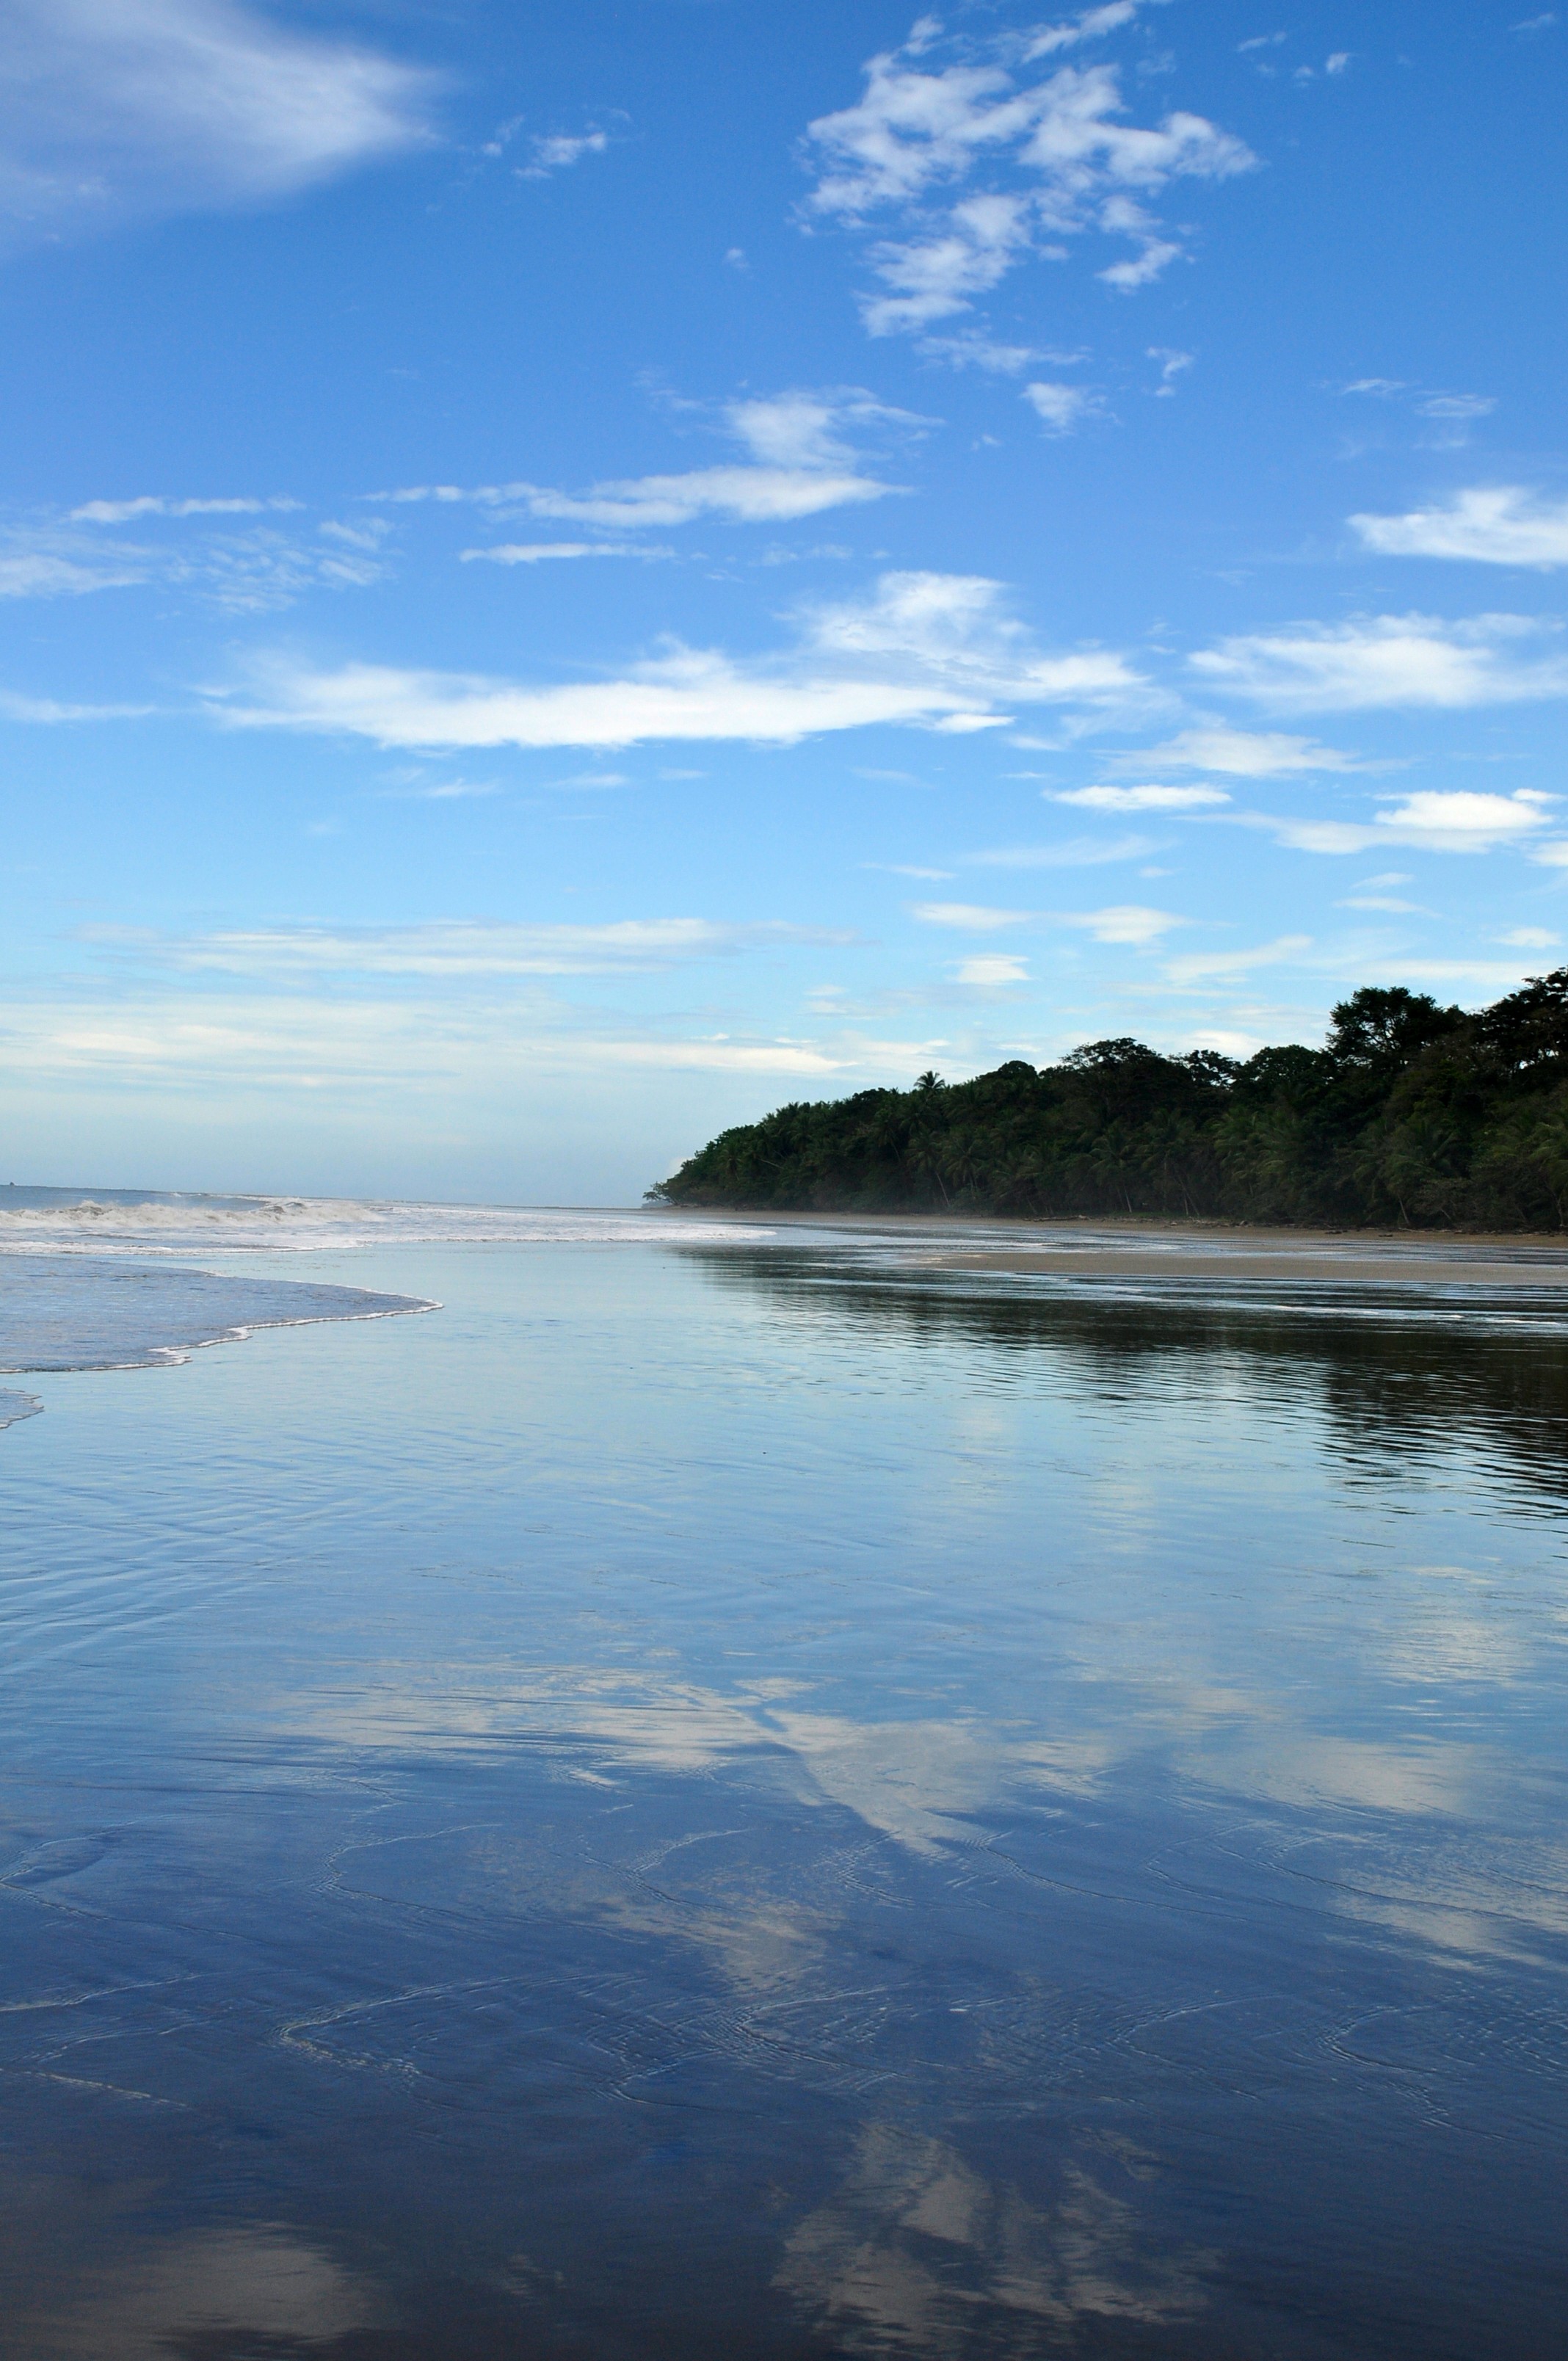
(615, 1786)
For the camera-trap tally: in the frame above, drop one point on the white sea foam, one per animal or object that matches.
(114, 1224)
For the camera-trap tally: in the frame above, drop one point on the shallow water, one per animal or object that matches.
(69, 1312)
(734, 1795)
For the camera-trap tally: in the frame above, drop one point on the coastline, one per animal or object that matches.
(1091, 1247)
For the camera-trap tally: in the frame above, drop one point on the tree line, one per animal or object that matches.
(1410, 1115)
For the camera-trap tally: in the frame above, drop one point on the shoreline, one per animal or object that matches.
(1137, 1246)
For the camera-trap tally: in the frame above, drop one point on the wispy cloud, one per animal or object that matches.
(440, 791)
(1498, 524)
(1431, 820)
(747, 495)
(1129, 924)
(1206, 967)
(1145, 798)
(959, 627)
(992, 971)
(1450, 415)
(47, 710)
(452, 948)
(1390, 660)
(802, 459)
(556, 151)
(1062, 408)
(969, 349)
(154, 504)
(45, 573)
(118, 109)
(537, 553)
(253, 571)
(306, 1045)
(1051, 153)
(1172, 365)
(942, 651)
(970, 917)
(1238, 754)
(1076, 853)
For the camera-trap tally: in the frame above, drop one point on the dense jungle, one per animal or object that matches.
(1410, 1114)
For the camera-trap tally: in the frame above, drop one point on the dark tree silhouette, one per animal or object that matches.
(1411, 1113)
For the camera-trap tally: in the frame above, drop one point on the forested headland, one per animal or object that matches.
(1410, 1115)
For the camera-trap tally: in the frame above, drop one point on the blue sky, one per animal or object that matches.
(570, 574)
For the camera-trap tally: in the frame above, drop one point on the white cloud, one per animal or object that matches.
(1530, 938)
(1535, 24)
(310, 1049)
(919, 132)
(1140, 269)
(154, 504)
(972, 350)
(1499, 525)
(1148, 798)
(693, 694)
(1199, 967)
(961, 621)
(1125, 922)
(1457, 406)
(1091, 24)
(1171, 365)
(246, 572)
(442, 791)
(112, 109)
(453, 949)
(43, 573)
(1338, 62)
(938, 649)
(1063, 407)
(1432, 820)
(47, 709)
(1076, 853)
(934, 278)
(972, 918)
(993, 969)
(535, 553)
(1453, 415)
(748, 495)
(556, 151)
(1389, 660)
(805, 428)
(802, 461)
(1239, 754)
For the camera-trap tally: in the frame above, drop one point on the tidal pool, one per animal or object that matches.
(744, 1795)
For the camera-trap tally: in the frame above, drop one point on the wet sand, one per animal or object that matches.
(1203, 1251)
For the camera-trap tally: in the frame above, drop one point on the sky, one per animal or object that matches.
(569, 574)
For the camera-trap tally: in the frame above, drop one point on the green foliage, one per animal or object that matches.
(1410, 1114)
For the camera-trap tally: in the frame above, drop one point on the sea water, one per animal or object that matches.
(729, 1792)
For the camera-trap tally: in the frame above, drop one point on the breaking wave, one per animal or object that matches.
(110, 1222)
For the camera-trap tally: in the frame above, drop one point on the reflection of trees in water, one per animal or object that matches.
(1394, 1385)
